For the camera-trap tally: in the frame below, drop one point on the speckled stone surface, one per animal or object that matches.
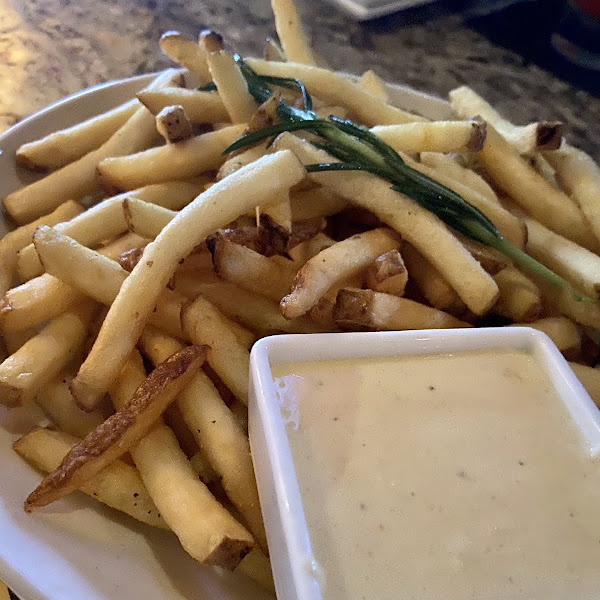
(50, 48)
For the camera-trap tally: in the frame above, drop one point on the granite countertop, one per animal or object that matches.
(51, 48)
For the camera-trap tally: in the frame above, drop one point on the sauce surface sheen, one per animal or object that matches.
(447, 476)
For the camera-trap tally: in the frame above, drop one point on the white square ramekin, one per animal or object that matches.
(294, 568)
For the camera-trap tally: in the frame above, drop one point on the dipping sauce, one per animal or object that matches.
(442, 477)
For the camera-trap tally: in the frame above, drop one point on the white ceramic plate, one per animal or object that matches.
(76, 549)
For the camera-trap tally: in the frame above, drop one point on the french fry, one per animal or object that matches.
(316, 202)
(335, 89)
(228, 78)
(437, 136)
(304, 251)
(164, 163)
(13, 340)
(415, 224)
(565, 334)
(118, 485)
(237, 161)
(509, 226)
(63, 147)
(544, 168)
(532, 192)
(373, 84)
(279, 214)
(213, 209)
(445, 164)
(16, 240)
(334, 264)
(589, 378)
(202, 468)
(251, 270)
(289, 31)
(187, 53)
(205, 529)
(255, 312)
(492, 260)
(174, 420)
(435, 289)
(43, 356)
(121, 431)
(537, 136)
(566, 258)
(56, 401)
(388, 274)
(173, 124)
(200, 107)
(580, 176)
(377, 311)
(520, 299)
(240, 413)
(273, 51)
(106, 221)
(78, 179)
(203, 324)
(145, 219)
(217, 433)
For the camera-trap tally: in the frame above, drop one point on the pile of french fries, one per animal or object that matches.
(130, 322)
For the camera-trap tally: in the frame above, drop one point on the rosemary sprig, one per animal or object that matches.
(358, 149)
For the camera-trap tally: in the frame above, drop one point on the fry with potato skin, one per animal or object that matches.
(520, 299)
(340, 261)
(120, 431)
(223, 443)
(213, 209)
(388, 274)
(377, 311)
(415, 224)
(205, 529)
(118, 485)
(145, 219)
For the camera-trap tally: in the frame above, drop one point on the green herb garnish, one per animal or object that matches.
(358, 149)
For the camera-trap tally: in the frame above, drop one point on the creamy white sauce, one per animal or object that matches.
(443, 477)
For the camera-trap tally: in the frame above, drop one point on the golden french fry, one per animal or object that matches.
(78, 179)
(16, 240)
(566, 258)
(304, 251)
(273, 51)
(565, 334)
(279, 214)
(106, 221)
(118, 485)
(377, 311)
(492, 260)
(289, 31)
(228, 78)
(257, 566)
(203, 324)
(537, 136)
(213, 209)
(544, 168)
(145, 219)
(251, 270)
(589, 378)
(62, 147)
(335, 89)
(223, 443)
(532, 192)
(415, 224)
(580, 176)
(164, 163)
(435, 289)
(187, 53)
(200, 107)
(447, 165)
(437, 136)
(205, 529)
(334, 264)
(56, 401)
(388, 274)
(372, 83)
(202, 468)
(520, 299)
(237, 161)
(120, 431)
(43, 356)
